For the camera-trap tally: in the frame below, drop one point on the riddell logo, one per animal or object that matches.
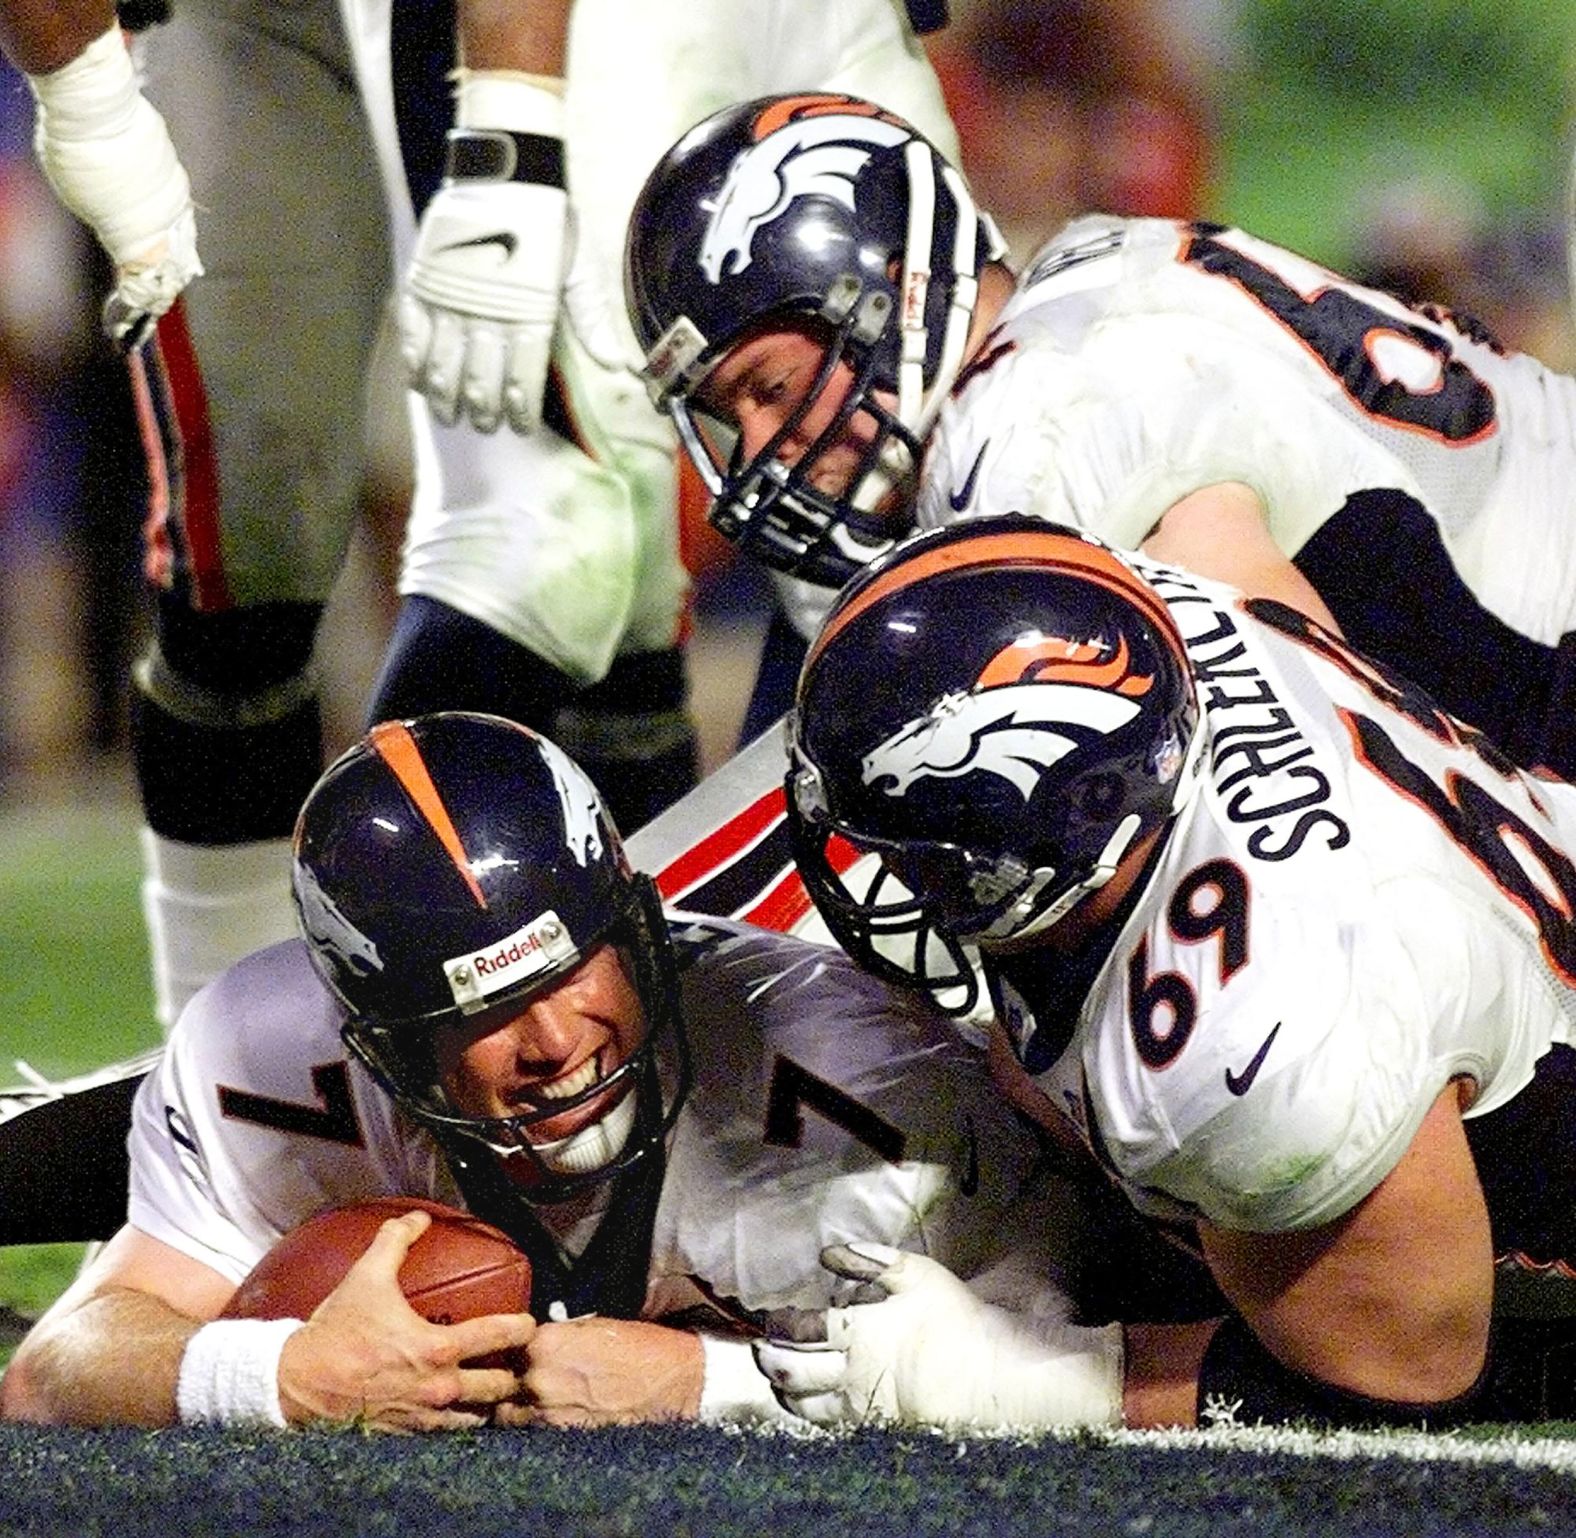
(541, 944)
(507, 955)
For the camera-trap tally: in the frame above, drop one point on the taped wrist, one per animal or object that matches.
(229, 1373)
(106, 151)
(508, 127)
(1239, 1377)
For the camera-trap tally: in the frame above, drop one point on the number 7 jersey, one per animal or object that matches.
(825, 1107)
(1363, 901)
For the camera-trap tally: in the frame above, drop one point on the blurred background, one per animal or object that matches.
(1420, 143)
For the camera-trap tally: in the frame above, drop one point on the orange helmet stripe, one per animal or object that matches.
(393, 743)
(1049, 658)
(788, 109)
(1022, 547)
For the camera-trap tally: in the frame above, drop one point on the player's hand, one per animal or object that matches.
(107, 153)
(366, 1355)
(480, 298)
(921, 1349)
(607, 1372)
(148, 285)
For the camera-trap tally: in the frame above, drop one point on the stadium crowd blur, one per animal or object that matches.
(1134, 106)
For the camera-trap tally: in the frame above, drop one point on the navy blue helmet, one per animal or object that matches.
(812, 211)
(448, 869)
(990, 718)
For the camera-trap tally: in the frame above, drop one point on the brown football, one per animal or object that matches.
(460, 1268)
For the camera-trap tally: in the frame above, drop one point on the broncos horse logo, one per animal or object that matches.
(327, 927)
(805, 145)
(1033, 703)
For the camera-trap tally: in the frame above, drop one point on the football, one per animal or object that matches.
(460, 1268)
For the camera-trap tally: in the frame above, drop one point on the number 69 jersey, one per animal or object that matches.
(1400, 455)
(825, 1107)
(1362, 901)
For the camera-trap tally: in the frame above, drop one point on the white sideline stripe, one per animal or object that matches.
(1556, 1453)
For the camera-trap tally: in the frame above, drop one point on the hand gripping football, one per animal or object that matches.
(460, 1268)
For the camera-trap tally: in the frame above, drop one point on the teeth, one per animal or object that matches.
(571, 1084)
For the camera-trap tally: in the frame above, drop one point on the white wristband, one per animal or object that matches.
(230, 1373)
(500, 98)
(734, 1388)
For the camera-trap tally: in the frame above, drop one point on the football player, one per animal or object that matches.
(1288, 948)
(489, 1008)
(826, 320)
(106, 151)
(541, 573)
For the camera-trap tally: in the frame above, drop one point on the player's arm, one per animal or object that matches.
(39, 36)
(526, 35)
(481, 296)
(106, 152)
(1392, 1301)
(1380, 1317)
(1220, 532)
(1384, 1309)
(607, 1372)
(137, 1340)
(109, 1350)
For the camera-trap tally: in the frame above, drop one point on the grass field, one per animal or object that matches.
(671, 1482)
(74, 988)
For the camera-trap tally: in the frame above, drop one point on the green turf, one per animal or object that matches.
(686, 1482)
(74, 991)
(1331, 107)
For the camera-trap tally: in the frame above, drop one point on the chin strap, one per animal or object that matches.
(1011, 926)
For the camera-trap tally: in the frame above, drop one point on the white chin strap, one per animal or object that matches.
(591, 1147)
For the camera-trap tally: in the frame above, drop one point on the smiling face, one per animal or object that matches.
(563, 1042)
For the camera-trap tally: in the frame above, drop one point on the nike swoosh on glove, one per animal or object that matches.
(481, 295)
(926, 1351)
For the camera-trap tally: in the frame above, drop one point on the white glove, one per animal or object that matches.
(107, 153)
(926, 1351)
(481, 295)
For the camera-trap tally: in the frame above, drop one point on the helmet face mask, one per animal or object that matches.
(768, 503)
(809, 210)
(991, 719)
(448, 872)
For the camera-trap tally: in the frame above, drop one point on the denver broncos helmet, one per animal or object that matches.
(446, 870)
(991, 716)
(822, 211)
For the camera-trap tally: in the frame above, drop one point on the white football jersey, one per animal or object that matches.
(1360, 901)
(1139, 360)
(825, 1107)
(572, 549)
